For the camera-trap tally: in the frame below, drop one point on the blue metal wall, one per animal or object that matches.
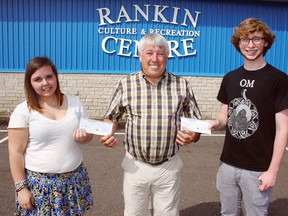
(67, 32)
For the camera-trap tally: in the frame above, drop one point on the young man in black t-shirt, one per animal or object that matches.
(254, 112)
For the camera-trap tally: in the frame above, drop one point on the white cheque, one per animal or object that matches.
(96, 127)
(199, 126)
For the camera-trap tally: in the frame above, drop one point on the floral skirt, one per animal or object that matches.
(58, 194)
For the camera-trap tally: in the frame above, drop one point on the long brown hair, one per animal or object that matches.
(31, 96)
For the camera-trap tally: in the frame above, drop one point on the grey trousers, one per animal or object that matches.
(236, 185)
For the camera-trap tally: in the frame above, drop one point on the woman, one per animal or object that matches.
(45, 157)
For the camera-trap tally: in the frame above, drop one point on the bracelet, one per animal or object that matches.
(20, 183)
(20, 188)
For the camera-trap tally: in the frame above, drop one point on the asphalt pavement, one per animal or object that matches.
(199, 196)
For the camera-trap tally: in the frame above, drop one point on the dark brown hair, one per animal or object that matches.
(32, 97)
(252, 25)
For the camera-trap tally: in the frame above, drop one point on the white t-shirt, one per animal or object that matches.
(51, 147)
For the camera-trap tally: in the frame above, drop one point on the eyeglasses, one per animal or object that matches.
(255, 40)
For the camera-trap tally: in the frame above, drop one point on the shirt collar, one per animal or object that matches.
(160, 80)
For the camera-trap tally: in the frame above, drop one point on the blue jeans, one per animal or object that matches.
(235, 184)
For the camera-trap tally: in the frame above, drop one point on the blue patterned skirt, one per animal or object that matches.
(58, 194)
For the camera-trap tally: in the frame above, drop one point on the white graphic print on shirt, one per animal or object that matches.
(243, 118)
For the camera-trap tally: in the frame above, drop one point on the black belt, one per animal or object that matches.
(157, 163)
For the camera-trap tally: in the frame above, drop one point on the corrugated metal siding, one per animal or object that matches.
(67, 32)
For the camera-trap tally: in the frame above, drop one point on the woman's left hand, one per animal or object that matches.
(81, 136)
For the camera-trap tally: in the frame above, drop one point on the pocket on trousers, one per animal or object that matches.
(128, 164)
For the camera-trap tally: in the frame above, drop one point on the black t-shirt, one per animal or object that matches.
(253, 99)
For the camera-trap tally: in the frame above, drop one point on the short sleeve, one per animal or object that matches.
(115, 110)
(193, 106)
(222, 94)
(20, 116)
(281, 93)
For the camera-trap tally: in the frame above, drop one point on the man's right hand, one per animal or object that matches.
(109, 141)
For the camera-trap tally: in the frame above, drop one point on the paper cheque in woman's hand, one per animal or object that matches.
(196, 125)
(96, 127)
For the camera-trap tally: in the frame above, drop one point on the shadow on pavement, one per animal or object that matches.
(279, 207)
(276, 208)
(203, 209)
